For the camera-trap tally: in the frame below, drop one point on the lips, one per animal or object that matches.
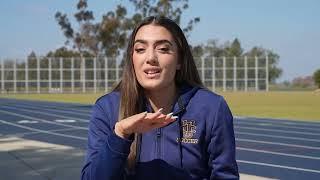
(152, 72)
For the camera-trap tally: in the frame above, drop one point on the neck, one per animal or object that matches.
(163, 98)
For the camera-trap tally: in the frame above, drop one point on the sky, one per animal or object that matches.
(291, 28)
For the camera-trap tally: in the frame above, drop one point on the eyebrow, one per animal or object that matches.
(162, 41)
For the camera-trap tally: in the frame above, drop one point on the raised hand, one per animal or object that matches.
(143, 122)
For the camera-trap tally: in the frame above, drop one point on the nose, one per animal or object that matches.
(152, 57)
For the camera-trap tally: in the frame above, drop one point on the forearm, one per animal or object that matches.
(109, 162)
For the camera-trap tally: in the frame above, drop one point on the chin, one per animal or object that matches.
(155, 86)
(151, 86)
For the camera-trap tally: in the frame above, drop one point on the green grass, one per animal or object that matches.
(286, 105)
(303, 105)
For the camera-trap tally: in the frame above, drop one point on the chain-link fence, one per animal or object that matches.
(76, 75)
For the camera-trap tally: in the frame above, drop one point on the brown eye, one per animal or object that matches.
(139, 50)
(164, 49)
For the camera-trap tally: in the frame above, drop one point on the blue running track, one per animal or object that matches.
(280, 149)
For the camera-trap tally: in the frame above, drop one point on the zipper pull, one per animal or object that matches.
(158, 132)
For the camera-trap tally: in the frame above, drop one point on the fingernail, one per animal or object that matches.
(160, 110)
(145, 113)
(170, 114)
(174, 117)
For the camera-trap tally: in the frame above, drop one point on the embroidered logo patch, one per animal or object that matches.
(188, 130)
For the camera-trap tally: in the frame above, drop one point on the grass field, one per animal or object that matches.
(287, 105)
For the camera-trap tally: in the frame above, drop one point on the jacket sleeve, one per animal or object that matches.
(106, 152)
(222, 158)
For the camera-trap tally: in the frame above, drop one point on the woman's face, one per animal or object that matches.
(155, 57)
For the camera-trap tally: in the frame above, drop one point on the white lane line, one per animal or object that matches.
(31, 133)
(27, 122)
(54, 107)
(253, 177)
(65, 120)
(51, 109)
(42, 131)
(240, 117)
(274, 136)
(279, 166)
(276, 125)
(48, 114)
(277, 153)
(274, 130)
(280, 121)
(38, 119)
(260, 124)
(281, 144)
(16, 143)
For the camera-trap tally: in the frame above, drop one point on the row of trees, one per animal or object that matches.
(302, 82)
(316, 77)
(109, 36)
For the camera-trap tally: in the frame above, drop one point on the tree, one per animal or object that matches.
(113, 32)
(86, 39)
(303, 82)
(109, 36)
(316, 77)
(235, 49)
(67, 53)
(274, 71)
(172, 9)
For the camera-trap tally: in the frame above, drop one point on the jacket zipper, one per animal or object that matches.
(159, 133)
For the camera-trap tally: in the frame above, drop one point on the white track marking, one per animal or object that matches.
(16, 143)
(281, 144)
(42, 131)
(276, 125)
(275, 130)
(52, 109)
(275, 136)
(253, 177)
(65, 120)
(38, 119)
(27, 122)
(279, 166)
(277, 153)
(280, 121)
(30, 133)
(54, 106)
(49, 114)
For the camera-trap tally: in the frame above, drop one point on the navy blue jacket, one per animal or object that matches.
(200, 144)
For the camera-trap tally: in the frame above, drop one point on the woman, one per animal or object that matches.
(159, 122)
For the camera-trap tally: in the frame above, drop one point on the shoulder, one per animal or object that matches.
(108, 103)
(108, 99)
(107, 106)
(209, 102)
(209, 98)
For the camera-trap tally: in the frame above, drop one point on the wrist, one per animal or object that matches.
(119, 131)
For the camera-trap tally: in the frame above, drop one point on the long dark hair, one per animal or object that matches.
(131, 92)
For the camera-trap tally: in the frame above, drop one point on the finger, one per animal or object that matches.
(139, 117)
(171, 119)
(155, 115)
(174, 117)
(163, 122)
(168, 116)
(163, 118)
(157, 119)
(160, 124)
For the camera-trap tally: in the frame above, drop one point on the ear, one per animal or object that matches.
(178, 67)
